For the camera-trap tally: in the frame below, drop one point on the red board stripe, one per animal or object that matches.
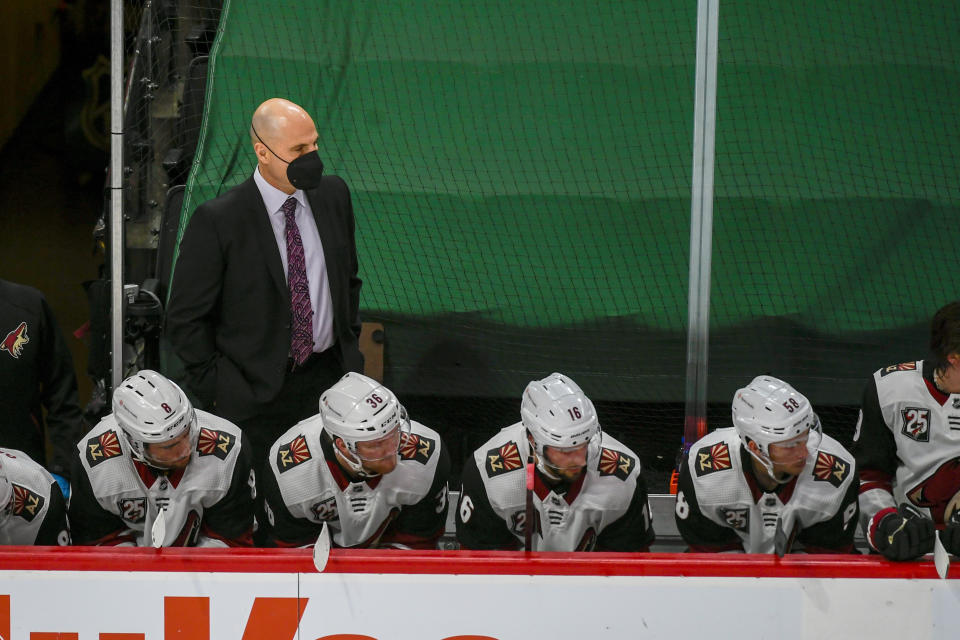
(458, 562)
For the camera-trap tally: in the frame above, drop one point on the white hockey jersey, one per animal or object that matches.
(605, 509)
(304, 486)
(907, 444)
(37, 514)
(210, 503)
(721, 507)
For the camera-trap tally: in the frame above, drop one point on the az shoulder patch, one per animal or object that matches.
(903, 366)
(414, 447)
(830, 468)
(103, 447)
(215, 443)
(615, 463)
(503, 460)
(26, 503)
(293, 453)
(710, 459)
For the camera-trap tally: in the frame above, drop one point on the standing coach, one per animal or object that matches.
(263, 308)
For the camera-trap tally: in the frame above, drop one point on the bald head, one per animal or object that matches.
(276, 115)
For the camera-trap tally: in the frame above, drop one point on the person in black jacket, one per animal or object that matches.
(36, 374)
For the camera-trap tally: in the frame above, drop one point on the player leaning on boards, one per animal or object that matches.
(587, 494)
(156, 472)
(907, 445)
(32, 510)
(362, 466)
(771, 480)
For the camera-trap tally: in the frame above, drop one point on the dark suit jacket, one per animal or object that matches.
(228, 317)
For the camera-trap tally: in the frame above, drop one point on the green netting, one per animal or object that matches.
(521, 179)
(837, 188)
(520, 173)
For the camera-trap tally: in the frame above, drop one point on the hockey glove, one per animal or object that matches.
(950, 535)
(904, 535)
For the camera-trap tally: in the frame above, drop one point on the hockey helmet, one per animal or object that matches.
(557, 413)
(360, 409)
(150, 409)
(6, 492)
(770, 411)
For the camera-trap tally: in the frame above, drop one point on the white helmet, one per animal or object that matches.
(360, 409)
(151, 409)
(558, 414)
(6, 494)
(770, 411)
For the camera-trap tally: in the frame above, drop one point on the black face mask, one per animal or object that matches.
(304, 172)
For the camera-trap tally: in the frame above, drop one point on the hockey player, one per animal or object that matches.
(907, 446)
(771, 480)
(154, 459)
(32, 510)
(587, 494)
(376, 478)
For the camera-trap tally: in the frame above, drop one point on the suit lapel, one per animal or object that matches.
(260, 220)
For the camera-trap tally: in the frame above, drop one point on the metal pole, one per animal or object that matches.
(701, 220)
(116, 193)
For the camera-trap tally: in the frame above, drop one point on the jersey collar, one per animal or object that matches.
(543, 490)
(149, 475)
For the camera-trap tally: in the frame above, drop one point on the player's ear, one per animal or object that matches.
(341, 446)
(953, 359)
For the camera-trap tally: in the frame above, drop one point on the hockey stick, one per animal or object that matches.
(528, 518)
(941, 559)
(781, 541)
(321, 549)
(159, 529)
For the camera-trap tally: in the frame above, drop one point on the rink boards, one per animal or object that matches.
(141, 594)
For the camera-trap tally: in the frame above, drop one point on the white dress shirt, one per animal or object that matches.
(320, 299)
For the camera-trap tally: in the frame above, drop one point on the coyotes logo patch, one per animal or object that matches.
(13, 343)
(903, 366)
(710, 459)
(103, 447)
(414, 447)
(940, 491)
(615, 463)
(215, 443)
(830, 468)
(26, 503)
(503, 460)
(293, 453)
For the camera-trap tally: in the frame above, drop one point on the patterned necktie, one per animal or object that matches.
(301, 330)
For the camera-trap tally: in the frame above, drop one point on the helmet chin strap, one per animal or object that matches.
(355, 466)
(768, 467)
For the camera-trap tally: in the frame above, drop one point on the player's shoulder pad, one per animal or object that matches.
(300, 443)
(502, 459)
(419, 444)
(102, 443)
(27, 504)
(895, 368)
(711, 454)
(292, 452)
(833, 463)
(217, 437)
(615, 459)
(30, 483)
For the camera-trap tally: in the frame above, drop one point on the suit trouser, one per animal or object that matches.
(299, 398)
